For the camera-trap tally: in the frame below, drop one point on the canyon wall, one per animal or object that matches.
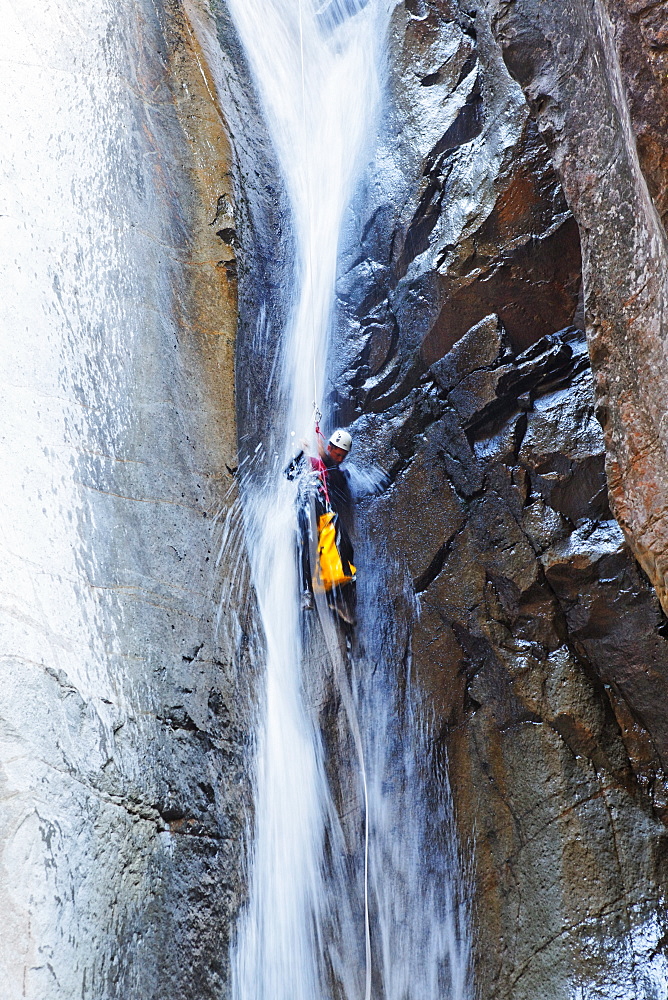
(508, 239)
(122, 769)
(503, 237)
(595, 76)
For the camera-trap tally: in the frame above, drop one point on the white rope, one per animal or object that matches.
(308, 205)
(347, 697)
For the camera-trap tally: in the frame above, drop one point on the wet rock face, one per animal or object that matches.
(263, 241)
(539, 641)
(464, 214)
(462, 365)
(595, 76)
(122, 769)
(541, 645)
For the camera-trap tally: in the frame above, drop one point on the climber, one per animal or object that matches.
(325, 499)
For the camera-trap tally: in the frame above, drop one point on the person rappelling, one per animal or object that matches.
(324, 504)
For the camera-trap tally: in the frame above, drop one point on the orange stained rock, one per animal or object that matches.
(208, 311)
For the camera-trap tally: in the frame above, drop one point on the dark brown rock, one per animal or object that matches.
(551, 712)
(592, 74)
(523, 263)
(534, 288)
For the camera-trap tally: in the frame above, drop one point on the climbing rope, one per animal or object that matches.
(318, 463)
(308, 202)
(345, 686)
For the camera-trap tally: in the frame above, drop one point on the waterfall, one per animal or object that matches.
(338, 894)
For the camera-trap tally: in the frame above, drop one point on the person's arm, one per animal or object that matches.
(293, 469)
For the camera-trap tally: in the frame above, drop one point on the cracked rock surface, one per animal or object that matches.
(541, 644)
(595, 76)
(463, 366)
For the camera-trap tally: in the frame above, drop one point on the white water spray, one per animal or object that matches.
(317, 67)
(321, 847)
(317, 70)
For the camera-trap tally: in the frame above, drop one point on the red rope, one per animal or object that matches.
(320, 466)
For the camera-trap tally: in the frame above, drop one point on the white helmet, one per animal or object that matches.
(341, 439)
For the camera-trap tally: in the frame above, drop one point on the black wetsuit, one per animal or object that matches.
(338, 488)
(338, 494)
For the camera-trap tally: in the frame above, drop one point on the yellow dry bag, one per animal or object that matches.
(330, 565)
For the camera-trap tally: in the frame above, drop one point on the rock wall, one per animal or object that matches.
(121, 763)
(595, 75)
(539, 640)
(461, 362)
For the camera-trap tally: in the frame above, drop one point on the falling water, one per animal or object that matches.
(319, 908)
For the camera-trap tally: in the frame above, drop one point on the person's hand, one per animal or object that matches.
(304, 445)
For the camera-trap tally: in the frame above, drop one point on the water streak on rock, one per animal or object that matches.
(345, 899)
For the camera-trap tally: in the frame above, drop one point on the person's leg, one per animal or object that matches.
(303, 523)
(342, 601)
